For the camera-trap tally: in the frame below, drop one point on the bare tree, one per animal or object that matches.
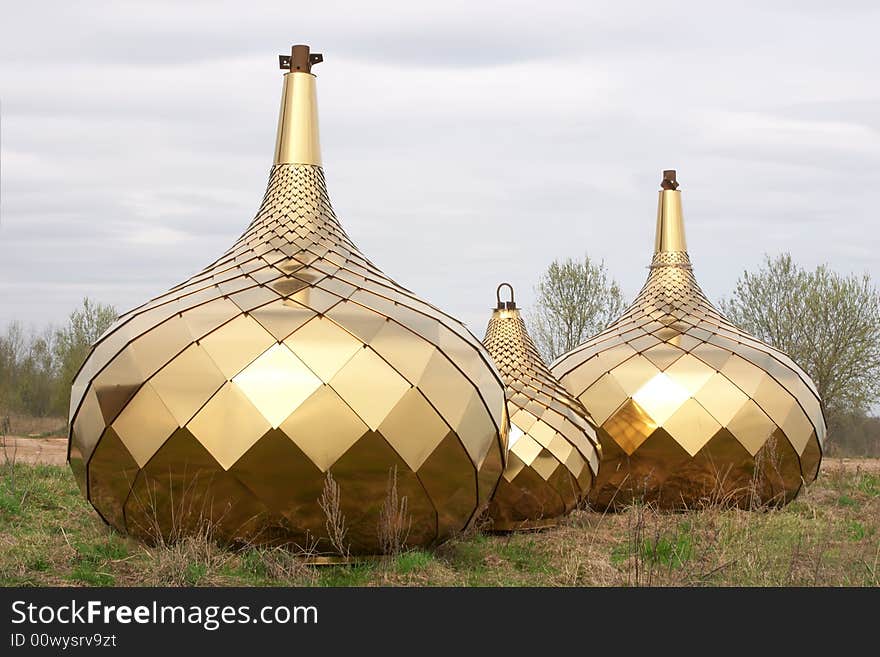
(575, 300)
(72, 343)
(828, 323)
(37, 368)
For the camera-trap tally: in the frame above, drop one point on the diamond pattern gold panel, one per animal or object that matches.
(553, 449)
(230, 397)
(690, 407)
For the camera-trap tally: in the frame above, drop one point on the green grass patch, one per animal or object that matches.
(356, 575)
(869, 485)
(85, 572)
(412, 561)
(847, 501)
(670, 551)
(856, 531)
(524, 555)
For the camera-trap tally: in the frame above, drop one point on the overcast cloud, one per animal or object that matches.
(464, 143)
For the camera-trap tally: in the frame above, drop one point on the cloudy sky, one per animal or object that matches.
(464, 143)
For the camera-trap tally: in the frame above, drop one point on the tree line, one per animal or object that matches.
(37, 367)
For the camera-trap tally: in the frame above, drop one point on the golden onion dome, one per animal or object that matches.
(230, 398)
(692, 409)
(553, 452)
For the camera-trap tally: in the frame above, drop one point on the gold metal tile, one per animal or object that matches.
(89, 425)
(370, 386)
(253, 297)
(603, 398)
(234, 345)
(721, 398)
(407, 352)
(279, 474)
(112, 471)
(276, 383)
(527, 449)
(661, 397)
(774, 400)
(797, 429)
(324, 347)
(116, 385)
(317, 299)
(282, 317)
(523, 420)
(515, 465)
(663, 355)
(473, 427)
(712, 355)
(362, 474)
(690, 373)
(187, 382)
(183, 489)
(751, 427)
(413, 428)
(630, 426)
(228, 425)
(144, 424)
(691, 426)
(632, 374)
(446, 388)
(324, 427)
(357, 320)
(545, 464)
(450, 478)
(207, 317)
(543, 433)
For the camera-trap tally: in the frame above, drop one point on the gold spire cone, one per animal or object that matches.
(228, 399)
(691, 408)
(553, 451)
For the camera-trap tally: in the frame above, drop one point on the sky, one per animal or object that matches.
(464, 143)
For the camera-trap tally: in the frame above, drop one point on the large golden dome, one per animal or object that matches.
(553, 450)
(692, 409)
(229, 398)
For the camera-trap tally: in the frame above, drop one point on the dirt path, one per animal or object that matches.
(49, 451)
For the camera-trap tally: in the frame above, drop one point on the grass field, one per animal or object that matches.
(829, 536)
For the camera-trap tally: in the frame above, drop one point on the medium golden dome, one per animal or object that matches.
(230, 397)
(691, 408)
(553, 452)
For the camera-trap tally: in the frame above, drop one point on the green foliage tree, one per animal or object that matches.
(72, 343)
(828, 323)
(36, 369)
(575, 300)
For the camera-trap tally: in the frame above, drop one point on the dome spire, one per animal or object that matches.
(298, 140)
(670, 224)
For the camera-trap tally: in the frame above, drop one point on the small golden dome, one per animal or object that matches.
(553, 452)
(229, 398)
(692, 409)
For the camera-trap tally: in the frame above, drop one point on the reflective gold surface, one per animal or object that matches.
(228, 399)
(553, 450)
(298, 141)
(690, 408)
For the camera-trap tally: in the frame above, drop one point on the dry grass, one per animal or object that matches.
(394, 519)
(334, 519)
(830, 535)
(28, 425)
